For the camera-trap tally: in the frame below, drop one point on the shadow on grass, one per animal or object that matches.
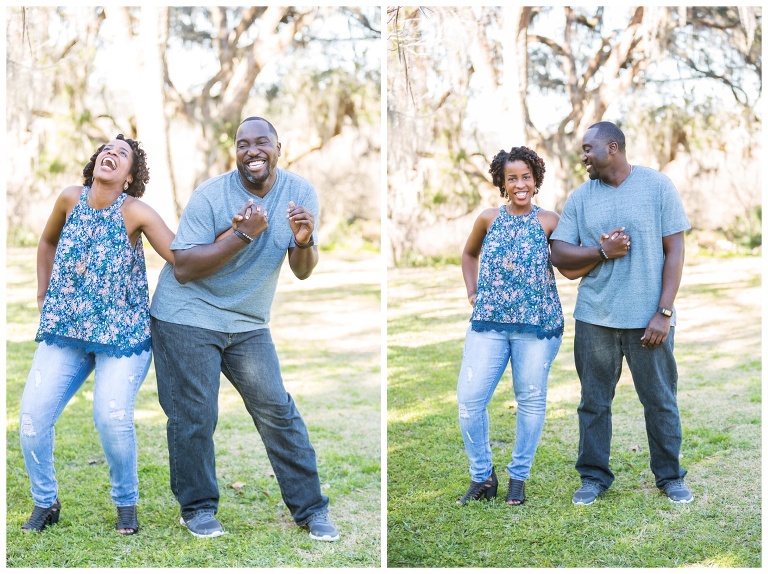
(335, 383)
(632, 524)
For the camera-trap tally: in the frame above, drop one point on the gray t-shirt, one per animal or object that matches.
(239, 296)
(623, 293)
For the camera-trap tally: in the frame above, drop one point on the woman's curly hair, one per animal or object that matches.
(522, 153)
(139, 168)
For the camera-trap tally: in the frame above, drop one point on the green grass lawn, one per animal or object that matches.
(327, 333)
(718, 349)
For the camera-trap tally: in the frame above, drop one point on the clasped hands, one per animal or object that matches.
(253, 221)
(615, 243)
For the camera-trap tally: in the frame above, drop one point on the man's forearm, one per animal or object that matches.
(672, 273)
(303, 261)
(568, 256)
(205, 260)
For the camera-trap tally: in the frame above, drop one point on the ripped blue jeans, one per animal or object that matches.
(486, 355)
(56, 375)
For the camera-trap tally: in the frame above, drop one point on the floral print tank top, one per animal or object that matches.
(98, 296)
(516, 289)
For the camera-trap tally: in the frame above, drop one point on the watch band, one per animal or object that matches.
(664, 311)
(602, 253)
(306, 245)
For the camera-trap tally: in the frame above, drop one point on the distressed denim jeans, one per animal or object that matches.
(486, 355)
(598, 354)
(56, 375)
(189, 362)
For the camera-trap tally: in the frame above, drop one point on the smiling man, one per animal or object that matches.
(210, 315)
(624, 307)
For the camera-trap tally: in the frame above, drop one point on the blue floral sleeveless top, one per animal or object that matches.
(516, 289)
(98, 296)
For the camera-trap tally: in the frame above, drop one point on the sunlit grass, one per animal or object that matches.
(327, 333)
(718, 349)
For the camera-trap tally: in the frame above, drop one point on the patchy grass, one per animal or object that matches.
(327, 333)
(718, 349)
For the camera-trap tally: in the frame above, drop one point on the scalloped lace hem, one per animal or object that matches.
(541, 333)
(91, 347)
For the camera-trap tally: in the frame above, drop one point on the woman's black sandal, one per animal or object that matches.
(127, 520)
(516, 492)
(42, 517)
(478, 490)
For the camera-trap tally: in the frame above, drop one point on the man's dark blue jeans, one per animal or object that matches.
(189, 362)
(598, 353)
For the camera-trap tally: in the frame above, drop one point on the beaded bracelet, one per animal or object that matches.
(243, 236)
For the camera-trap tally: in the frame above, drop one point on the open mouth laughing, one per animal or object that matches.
(255, 164)
(109, 163)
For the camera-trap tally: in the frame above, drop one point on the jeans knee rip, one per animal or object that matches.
(463, 412)
(27, 428)
(118, 414)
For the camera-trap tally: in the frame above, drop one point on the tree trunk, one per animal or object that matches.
(151, 124)
(142, 77)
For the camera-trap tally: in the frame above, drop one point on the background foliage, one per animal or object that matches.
(684, 83)
(180, 79)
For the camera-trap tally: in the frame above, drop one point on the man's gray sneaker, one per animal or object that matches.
(677, 492)
(321, 528)
(587, 493)
(203, 525)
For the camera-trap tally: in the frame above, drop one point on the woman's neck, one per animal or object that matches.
(103, 195)
(519, 209)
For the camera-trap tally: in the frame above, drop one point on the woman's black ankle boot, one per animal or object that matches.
(42, 517)
(478, 490)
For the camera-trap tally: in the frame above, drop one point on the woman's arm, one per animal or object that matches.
(49, 239)
(470, 257)
(144, 219)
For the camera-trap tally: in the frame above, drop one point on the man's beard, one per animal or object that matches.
(256, 180)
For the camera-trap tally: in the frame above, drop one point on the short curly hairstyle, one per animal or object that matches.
(522, 153)
(139, 168)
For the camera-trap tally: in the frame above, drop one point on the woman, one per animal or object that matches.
(517, 318)
(94, 302)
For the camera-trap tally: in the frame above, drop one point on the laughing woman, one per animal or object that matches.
(94, 301)
(517, 318)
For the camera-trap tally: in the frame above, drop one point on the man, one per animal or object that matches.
(624, 306)
(210, 315)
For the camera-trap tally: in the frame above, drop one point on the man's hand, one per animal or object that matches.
(244, 213)
(656, 331)
(251, 221)
(302, 223)
(615, 243)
